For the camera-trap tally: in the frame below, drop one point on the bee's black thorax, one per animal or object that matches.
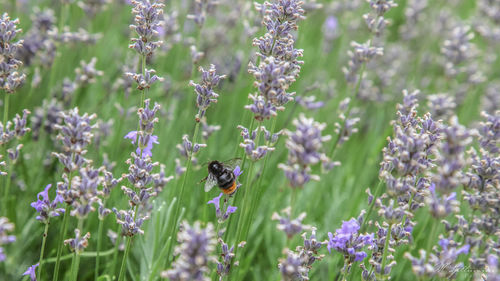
(225, 177)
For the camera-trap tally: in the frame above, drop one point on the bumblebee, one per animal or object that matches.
(223, 175)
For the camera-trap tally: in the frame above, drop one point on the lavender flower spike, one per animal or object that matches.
(205, 91)
(148, 18)
(5, 226)
(287, 224)
(10, 79)
(45, 207)
(194, 251)
(79, 243)
(305, 147)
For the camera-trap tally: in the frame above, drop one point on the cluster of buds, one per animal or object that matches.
(10, 79)
(280, 64)
(305, 149)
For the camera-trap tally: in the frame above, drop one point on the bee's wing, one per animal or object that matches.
(210, 182)
(232, 163)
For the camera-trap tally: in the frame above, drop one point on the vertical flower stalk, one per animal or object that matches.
(406, 158)
(200, 10)
(360, 55)
(277, 68)
(205, 96)
(298, 263)
(349, 242)
(10, 78)
(147, 20)
(144, 183)
(75, 135)
(46, 209)
(11, 131)
(222, 214)
(194, 253)
(5, 238)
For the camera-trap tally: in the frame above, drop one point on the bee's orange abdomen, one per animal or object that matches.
(231, 189)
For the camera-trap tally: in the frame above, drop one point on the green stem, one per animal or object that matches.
(61, 242)
(84, 255)
(349, 107)
(409, 209)
(116, 250)
(125, 255)
(8, 180)
(76, 256)
(293, 199)
(367, 217)
(386, 247)
(99, 242)
(8, 177)
(429, 242)
(5, 107)
(44, 239)
(245, 205)
(183, 185)
(344, 271)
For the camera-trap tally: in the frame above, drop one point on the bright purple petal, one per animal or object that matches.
(31, 272)
(132, 136)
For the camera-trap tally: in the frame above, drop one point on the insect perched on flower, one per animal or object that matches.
(223, 174)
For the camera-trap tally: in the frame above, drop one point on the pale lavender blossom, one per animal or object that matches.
(38, 44)
(290, 226)
(79, 243)
(252, 150)
(375, 19)
(205, 90)
(131, 223)
(194, 253)
(305, 149)
(306, 254)
(75, 135)
(5, 238)
(8, 133)
(79, 36)
(144, 81)
(442, 263)
(280, 64)
(292, 267)
(441, 106)
(200, 10)
(92, 7)
(10, 79)
(87, 73)
(148, 17)
(84, 189)
(361, 54)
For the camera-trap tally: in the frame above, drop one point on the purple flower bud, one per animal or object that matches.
(79, 243)
(288, 225)
(205, 91)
